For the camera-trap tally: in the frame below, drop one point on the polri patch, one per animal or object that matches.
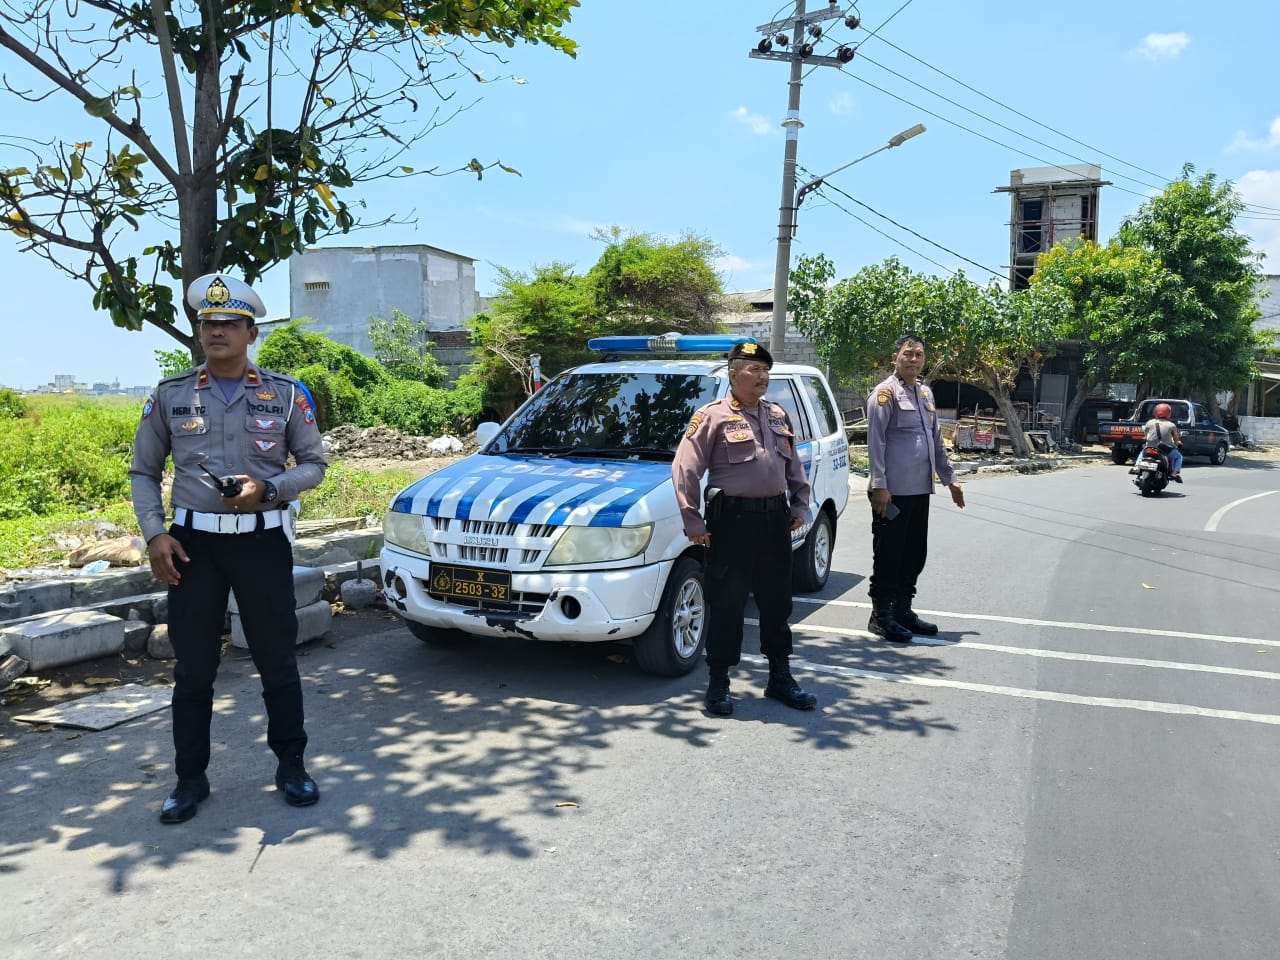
(265, 445)
(148, 407)
(883, 396)
(307, 413)
(694, 424)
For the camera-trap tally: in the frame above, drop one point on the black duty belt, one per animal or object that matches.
(757, 504)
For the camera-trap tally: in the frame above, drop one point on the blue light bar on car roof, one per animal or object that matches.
(669, 343)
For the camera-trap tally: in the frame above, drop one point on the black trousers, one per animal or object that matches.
(259, 568)
(750, 553)
(899, 547)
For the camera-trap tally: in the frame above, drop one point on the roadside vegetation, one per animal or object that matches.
(67, 474)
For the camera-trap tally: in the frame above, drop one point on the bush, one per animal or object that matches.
(291, 349)
(353, 493)
(65, 456)
(426, 411)
(12, 406)
(336, 398)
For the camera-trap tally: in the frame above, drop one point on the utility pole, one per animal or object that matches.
(801, 53)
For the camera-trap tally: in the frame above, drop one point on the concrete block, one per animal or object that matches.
(358, 594)
(160, 608)
(67, 637)
(11, 667)
(4, 645)
(136, 635)
(158, 645)
(308, 584)
(39, 596)
(313, 623)
(335, 576)
(338, 548)
(111, 583)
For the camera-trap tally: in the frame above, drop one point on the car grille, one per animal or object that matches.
(521, 601)
(516, 546)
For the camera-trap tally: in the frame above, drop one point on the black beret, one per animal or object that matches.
(751, 351)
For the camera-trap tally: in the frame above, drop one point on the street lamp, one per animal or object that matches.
(782, 269)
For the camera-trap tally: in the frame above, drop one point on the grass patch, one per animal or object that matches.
(354, 493)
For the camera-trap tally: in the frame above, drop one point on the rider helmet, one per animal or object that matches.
(1163, 411)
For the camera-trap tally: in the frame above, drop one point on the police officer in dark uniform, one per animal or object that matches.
(230, 428)
(904, 443)
(747, 448)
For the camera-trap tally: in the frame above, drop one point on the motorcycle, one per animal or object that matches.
(1151, 470)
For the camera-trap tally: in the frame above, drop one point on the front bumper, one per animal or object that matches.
(595, 606)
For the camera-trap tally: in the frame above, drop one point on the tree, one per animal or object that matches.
(269, 114)
(403, 346)
(1209, 338)
(640, 285)
(981, 336)
(1118, 300)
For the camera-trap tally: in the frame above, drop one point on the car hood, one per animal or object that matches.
(513, 489)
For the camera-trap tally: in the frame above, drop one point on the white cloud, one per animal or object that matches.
(1262, 187)
(739, 273)
(841, 104)
(753, 121)
(1245, 142)
(585, 228)
(1162, 46)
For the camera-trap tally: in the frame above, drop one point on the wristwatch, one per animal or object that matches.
(269, 492)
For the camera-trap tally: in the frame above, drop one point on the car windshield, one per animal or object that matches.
(620, 415)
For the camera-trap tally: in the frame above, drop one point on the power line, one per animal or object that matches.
(890, 238)
(907, 229)
(885, 23)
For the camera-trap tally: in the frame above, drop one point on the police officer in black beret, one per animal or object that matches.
(747, 449)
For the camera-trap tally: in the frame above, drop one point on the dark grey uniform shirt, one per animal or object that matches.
(745, 452)
(904, 439)
(267, 418)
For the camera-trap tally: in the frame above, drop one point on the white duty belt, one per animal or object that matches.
(228, 522)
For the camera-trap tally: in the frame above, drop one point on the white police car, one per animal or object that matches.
(565, 525)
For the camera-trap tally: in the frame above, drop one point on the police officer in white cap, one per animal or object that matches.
(230, 428)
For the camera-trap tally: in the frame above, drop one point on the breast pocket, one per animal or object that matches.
(782, 441)
(740, 445)
(189, 438)
(266, 439)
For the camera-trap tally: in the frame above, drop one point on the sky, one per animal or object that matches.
(664, 125)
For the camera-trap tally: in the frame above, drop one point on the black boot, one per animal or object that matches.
(883, 624)
(782, 686)
(717, 700)
(906, 617)
(296, 784)
(180, 806)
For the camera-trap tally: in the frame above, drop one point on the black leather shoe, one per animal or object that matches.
(906, 617)
(1177, 478)
(181, 805)
(782, 686)
(296, 784)
(717, 700)
(882, 624)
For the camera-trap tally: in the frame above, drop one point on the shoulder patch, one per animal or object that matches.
(883, 396)
(148, 406)
(696, 421)
(304, 405)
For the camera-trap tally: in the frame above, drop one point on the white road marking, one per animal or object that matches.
(1047, 654)
(1221, 512)
(1146, 706)
(1060, 624)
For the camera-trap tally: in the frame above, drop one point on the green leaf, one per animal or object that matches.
(99, 107)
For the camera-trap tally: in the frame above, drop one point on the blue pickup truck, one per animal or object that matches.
(1202, 436)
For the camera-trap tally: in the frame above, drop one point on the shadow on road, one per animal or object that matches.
(471, 744)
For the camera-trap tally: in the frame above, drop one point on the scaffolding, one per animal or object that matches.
(1047, 206)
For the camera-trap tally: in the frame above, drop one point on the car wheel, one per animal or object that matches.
(673, 644)
(812, 561)
(436, 636)
(1118, 456)
(1219, 455)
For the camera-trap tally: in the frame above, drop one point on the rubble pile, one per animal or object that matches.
(351, 442)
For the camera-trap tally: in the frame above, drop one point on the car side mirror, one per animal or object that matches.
(487, 431)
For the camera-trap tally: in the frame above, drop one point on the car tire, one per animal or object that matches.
(1118, 456)
(811, 563)
(1219, 455)
(435, 636)
(673, 644)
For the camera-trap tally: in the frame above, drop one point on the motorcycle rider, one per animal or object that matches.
(1161, 428)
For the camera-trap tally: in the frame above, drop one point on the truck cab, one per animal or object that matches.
(565, 526)
(1202, 436)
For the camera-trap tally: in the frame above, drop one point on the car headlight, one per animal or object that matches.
(406, 530)
(599, 544)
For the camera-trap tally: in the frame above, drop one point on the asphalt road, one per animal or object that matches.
(1084, 764)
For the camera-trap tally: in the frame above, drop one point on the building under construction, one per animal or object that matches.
(1047, 206)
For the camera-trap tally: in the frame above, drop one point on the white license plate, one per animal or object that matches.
(1147, 466)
